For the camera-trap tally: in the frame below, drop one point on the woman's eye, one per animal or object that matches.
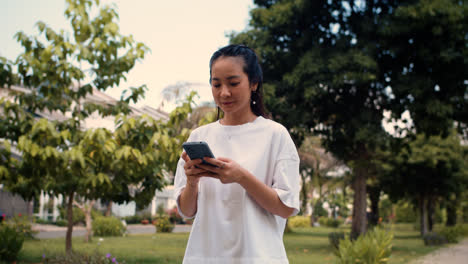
(234, 84)
(216, 85)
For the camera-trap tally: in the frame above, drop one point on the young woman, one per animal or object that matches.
(240, 206)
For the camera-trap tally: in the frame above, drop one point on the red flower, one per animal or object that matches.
(19, 214)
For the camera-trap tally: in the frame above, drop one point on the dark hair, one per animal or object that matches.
(251, 68)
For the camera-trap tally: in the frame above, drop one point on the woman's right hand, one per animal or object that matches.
(192, 171)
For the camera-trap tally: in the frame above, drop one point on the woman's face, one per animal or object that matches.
(230, 85)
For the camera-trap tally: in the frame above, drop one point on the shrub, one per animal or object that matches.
(463, 229)
(78, 215)
(160, 211)
(405, 212)
(163, 225)
(319, 211)
(108, 226)
(144, 222)
(133, 219)
(453, 233)
(375, 247)
(61, 222)
(11, 242)
(23, 225)
(299, 221)
(334, 239)
(42, 221)
(95, 213)
(78, 257)
(330, 222)
(434, 239)
(174, 216)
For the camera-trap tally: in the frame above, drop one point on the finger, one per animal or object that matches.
(226, 160)
(208, 168)
(185, 156)
(211, 175)
(214, 162)
(192, 163)
(194, 171)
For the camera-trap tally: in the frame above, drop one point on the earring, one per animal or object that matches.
(253, 102)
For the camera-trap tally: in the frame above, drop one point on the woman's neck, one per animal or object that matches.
(233, 120)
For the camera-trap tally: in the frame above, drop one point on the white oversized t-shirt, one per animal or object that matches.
(229, 226)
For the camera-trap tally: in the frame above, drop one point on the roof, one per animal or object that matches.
(94, 120)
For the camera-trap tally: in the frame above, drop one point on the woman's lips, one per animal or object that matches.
(226, 103)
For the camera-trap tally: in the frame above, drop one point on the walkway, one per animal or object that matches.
(453, 254)
(51, 231)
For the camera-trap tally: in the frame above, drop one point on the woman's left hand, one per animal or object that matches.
(227, 170)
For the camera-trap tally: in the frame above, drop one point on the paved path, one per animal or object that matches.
(454, 254)
(51, 231)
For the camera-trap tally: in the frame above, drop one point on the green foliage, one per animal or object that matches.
(95, 213)
(43, 221)
(405, 212)
(160, 211)
(78, 215)
(375, 247)
(78, 257)
(451, 234)
(11, 242)
(334, 238)
(163, 225)
(330, 222)
(23, 225)
(174, 216)
(61, 222)
(133, 219)
(434, 239)
(318, 210)
(299, 221)
(108, 226)
(334, 67)
(59, 157)
(385, 209)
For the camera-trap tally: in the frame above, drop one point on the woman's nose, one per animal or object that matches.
(225, 91)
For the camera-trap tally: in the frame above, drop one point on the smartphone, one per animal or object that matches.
(198, 150)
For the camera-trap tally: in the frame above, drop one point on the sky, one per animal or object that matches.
(182, 36)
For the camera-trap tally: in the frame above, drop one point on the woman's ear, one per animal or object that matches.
(253, 87)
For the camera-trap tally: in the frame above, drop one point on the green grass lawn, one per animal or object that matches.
(306, 245)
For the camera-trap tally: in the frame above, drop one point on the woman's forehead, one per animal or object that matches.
(228, 67)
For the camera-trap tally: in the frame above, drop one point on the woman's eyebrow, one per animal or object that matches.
(229, 78)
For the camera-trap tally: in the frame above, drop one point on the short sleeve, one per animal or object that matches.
(286, 183)
(286, 178)
(180, 180)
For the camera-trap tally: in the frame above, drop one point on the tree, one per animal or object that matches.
(60, 157)
(428, 169)
(425, 63)
(321, 74)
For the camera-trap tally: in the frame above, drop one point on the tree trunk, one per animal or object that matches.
(451, 213)
(423, 214)
(374, 197)
(86, 209)
(304, 193)
(109, 209)
(359, 224)
(68, 238)
(89, 231)
(312, 219)
(430, 214)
